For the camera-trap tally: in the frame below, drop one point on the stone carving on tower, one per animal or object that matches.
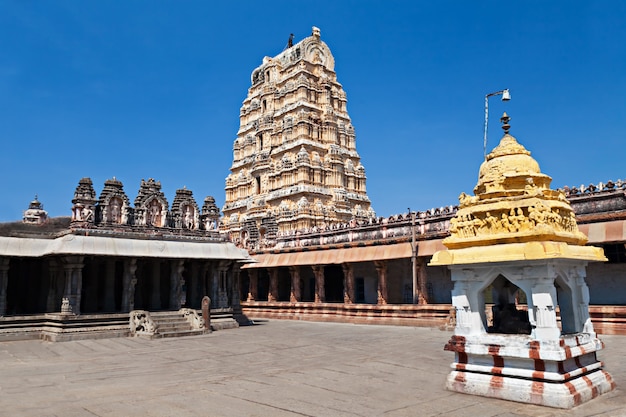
(295, 163)
(185, 212)
(113, 204)
(210, 214)
(84, 202)
(113, 210)
(151, 206)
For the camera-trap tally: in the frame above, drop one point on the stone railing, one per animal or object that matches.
(195, 320)
(429, 224)
(591, 188)
(141, 323)
(598, 202)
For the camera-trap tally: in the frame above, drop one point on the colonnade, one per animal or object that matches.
(79, 284)
(320, 279)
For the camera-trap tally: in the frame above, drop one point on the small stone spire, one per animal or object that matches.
(505, 123)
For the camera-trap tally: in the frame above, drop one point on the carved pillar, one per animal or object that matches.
(381, 270)
(421, 281)
(109, 285)
(222, 290)
(236, 292)
(129, 282)
(348, 283)
(320, 292)
(4, 281)
(176, 283)
(155, 296)
(253, 275)
(295, 295)
(272, 294)
(581, 300)
(53, 300)
(215, 278)
(73, 268)
(543, 313)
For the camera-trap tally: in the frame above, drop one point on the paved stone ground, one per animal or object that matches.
(276, 368)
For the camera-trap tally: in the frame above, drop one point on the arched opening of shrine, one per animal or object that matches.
(504, 309)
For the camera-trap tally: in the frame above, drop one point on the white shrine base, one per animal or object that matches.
(561, 374)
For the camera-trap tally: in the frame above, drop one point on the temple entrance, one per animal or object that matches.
(507, 314)
(153, 285)
(333, 283)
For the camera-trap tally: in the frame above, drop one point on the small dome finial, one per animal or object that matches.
(505, 123)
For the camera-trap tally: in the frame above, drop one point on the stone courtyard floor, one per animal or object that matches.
(275, 368)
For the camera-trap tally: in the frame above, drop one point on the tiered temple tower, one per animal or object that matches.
(295, 164)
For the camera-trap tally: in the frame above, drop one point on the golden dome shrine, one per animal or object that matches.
(513, 215)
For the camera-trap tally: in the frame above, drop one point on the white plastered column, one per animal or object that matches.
(466, 302)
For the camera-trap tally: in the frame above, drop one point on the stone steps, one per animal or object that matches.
(172, 324)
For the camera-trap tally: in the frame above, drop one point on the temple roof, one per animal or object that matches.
(513, 204)
(111, 246)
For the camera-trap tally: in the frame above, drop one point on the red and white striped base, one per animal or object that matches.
(517, 368)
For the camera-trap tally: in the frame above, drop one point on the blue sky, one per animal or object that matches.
(152, 89)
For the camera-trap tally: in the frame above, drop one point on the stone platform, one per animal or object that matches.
(276, 368)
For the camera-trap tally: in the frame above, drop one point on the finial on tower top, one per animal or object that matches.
(505, 123)
(316, 32)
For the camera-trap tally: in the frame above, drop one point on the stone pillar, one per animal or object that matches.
(73, 268)
(320, 292)
(53, 301)
(155, 296)
(236, 294)
(206, 312)
(381, 270)
(109, 285)
(422, 297)
(222, 281)
(295, 295)
(272, 294)
(253, 275)
(215, 278)
(176, 283)
(543, 312)
(348, 283)
(129, 282)
(4, 282)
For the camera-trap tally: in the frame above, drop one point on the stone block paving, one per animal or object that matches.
(275, 368)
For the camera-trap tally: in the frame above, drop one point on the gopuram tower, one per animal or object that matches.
(517, 258)
(295, 164)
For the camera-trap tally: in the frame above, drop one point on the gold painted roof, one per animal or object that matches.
(512, 203)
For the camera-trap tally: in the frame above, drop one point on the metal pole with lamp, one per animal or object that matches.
(506, 96)
(414, 258)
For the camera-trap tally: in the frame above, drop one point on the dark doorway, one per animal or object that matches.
(284, 284)
(244, 287)
(263, 285)
(333, 283)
